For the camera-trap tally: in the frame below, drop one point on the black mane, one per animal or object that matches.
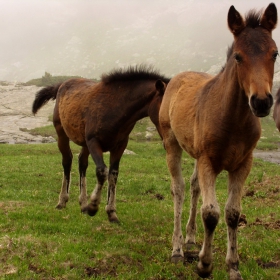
(253, 18)
(140, 72)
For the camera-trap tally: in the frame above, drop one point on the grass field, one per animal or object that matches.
(39, 242)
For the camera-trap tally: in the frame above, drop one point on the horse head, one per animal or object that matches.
(254, 53)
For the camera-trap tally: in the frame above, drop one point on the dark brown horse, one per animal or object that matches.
(99, 117)
(216, 121)
(276, 110)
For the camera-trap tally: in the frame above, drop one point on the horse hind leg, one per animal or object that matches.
(83, 164)
(173, 159)
(192, 249)
(67, 156)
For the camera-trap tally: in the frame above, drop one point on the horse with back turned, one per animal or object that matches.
(99, 117)
(216, 121)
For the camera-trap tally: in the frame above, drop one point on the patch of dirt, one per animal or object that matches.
(268, 264)
(242, 221)
(8, 270)
(267, 225)
(159, 196)
(108, 266)
(9, 206)
(267, 189)
(35, 269)
(270, 223)
(271, 156)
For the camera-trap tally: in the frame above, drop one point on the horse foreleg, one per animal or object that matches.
(95, 198)
(232, 214)
(83, 164)
(210, 212)
(101, 175)
(115, 157)
(63, 145)
(111, 194)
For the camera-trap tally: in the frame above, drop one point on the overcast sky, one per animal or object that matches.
(89, 37)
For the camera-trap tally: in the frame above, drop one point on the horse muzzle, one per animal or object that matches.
(261, 106)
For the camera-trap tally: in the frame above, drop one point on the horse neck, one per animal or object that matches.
(140, 97)
(232, 96)
(150, 101)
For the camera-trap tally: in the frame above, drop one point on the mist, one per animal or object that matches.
(87, 38)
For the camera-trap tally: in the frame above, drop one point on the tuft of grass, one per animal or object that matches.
(44, 131)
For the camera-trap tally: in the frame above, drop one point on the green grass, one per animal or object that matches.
(39, 242)
(270, 138)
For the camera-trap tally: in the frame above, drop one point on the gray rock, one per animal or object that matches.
(15, 113)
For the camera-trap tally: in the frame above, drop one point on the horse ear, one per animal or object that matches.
(160, 86)
(235, 21)
(269, 18)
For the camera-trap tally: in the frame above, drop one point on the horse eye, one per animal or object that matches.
(274, 56)
(237, 57)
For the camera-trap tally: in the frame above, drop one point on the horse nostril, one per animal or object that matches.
(270, 99)
(253, 98)
(261, 106)
(263, 102)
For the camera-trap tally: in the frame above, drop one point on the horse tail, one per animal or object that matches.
(43, 96)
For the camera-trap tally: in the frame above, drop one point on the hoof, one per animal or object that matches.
(204, 270)
(234, 274)
(92, 209)
(84, 210)
(114, 221)
(60, 206)
(192, 251)
(177, 258)
(112, 217)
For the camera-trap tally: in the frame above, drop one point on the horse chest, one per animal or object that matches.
(229, 150)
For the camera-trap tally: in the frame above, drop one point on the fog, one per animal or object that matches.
(87, 38)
